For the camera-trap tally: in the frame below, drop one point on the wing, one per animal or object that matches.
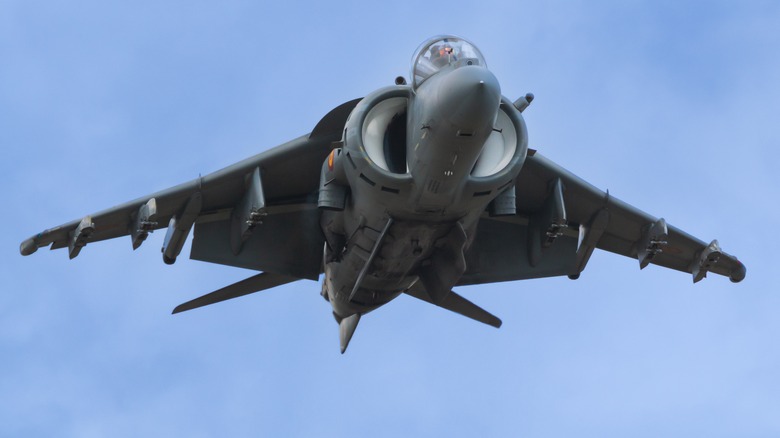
(260, 213)
(561, 219)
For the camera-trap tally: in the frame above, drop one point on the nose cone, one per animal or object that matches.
(469, 97)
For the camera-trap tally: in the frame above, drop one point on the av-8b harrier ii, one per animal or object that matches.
(413, 189)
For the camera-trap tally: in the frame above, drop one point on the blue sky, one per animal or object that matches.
(672, 106)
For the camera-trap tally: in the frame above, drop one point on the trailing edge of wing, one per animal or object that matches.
(456, 303)
(258, 283)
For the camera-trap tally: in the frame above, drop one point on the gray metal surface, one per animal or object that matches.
(412, 189)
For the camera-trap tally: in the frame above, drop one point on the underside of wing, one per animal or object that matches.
(561, 219)
(261, 209)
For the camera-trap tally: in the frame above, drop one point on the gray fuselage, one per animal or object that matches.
(401, 199)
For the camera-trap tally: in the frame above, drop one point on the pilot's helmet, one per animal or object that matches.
(442, 54)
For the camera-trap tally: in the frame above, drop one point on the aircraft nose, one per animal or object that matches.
(470, 97)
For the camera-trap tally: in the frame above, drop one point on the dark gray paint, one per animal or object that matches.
(377, 232)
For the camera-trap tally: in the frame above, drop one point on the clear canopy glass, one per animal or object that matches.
(441, 52)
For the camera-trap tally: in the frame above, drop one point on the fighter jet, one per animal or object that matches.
(415, 189)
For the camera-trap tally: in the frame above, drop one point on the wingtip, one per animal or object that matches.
(738, 274)
(28, 247)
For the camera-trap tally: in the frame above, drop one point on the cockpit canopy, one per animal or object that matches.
(440, 52)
